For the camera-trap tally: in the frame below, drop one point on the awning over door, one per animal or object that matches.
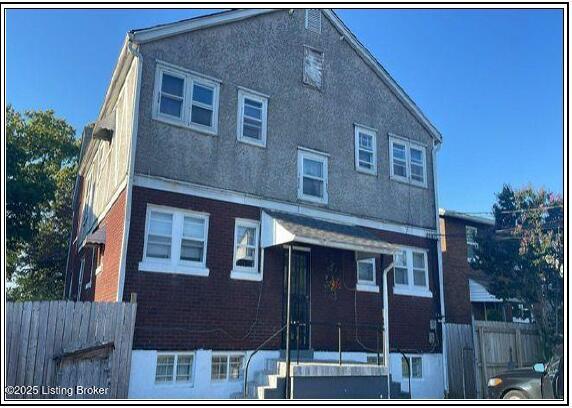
(282, 228)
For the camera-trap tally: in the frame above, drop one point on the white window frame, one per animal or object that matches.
(394, 139)
(242, 272)
(470, 243)
(370, 132)
(190, 79)
(80, 278)
(243, 94)
(98, 260)
(312, 155)
(410, 358)
(174, 264)
(410, 289)
(228, 357)
(364, 285)
(173, 381)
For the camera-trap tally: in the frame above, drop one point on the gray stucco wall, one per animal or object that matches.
(265, 53)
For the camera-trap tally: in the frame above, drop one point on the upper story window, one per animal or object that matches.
(471, 233)
(252, 117)
(174, 368)
(175, 241)
(313, 20)
(411, 273)
(246, 243)
(186, 99)
(408, 161)
(313, 67)
(312, 176)
(365, 150)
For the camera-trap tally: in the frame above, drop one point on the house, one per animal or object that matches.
(467, 293)
(254, 164)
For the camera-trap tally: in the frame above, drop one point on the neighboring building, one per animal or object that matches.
(467, 295)
(227, 141)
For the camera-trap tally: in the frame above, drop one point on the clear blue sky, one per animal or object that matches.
(490, 80)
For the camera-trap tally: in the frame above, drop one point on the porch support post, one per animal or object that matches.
(386, 325)
(288, 317)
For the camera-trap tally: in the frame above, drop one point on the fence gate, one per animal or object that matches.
(63, 349)
(503, 345)
(461, 361)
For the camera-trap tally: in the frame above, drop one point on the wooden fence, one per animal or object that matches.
(461, 361)
(62, 349)
(500, 346)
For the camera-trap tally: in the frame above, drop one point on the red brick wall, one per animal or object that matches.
(188, 312)
(456, 269)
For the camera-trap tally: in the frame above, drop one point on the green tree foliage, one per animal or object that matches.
(41, 166)
(524, 255)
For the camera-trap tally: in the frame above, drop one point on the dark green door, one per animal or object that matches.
(300, 303)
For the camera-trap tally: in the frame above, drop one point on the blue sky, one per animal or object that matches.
(490, 80)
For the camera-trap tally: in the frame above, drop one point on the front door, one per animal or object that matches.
(300, 301)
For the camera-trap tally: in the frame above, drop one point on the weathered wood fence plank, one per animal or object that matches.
(100, 336)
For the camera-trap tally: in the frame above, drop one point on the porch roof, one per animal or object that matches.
(281, 228)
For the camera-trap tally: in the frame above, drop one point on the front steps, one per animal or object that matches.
(270, 382)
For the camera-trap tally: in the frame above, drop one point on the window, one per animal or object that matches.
(313, 67)
(366, 275)
(312, 176)
(174, 368)
(252, 118)
(98, 253)
(407, 161)
(80, 278)
(471, 233)
(176, 241)
(416, 364)
(187, 99)
(88, 200)
(246, 237)
(365, 150)
(227, 367)
(313, 20)
(411, 273)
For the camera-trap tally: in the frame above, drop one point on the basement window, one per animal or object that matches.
(174, 368)
(227, 367)
(416, 364)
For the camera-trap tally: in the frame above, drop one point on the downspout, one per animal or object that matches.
(436, 147)
(134, 49)
(386, 326)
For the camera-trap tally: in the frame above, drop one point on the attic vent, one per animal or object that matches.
(314, 20)
(313, 66)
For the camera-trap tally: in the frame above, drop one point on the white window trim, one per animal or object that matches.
(80, 278)
(473, 244)
(410, 289)
(174, 264)
(241, 272)
(189, 80)
(366, 286)
(371, 132)
(302, 154)
(244, 93)
(393, 139)
(228, 356)
(100, 266)
(173, 382)
(410, 357)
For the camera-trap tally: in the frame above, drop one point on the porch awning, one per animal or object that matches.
(281, 228)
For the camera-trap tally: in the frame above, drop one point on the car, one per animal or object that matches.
(542, 381)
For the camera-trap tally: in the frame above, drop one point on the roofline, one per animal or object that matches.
(196, 23)
(210, 20)
(465, 217)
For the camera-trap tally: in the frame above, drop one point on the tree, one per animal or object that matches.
(524, 256)
(42, 156)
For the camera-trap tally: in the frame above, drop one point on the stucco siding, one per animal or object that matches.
(265, 54)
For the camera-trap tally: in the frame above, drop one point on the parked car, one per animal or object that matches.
(542, 381)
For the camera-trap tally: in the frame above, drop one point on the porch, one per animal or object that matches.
(334, 304)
